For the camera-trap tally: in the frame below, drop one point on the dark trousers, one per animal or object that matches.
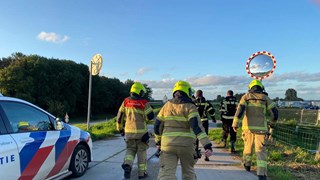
(227, 128)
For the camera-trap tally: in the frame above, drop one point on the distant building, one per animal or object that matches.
(298, 104)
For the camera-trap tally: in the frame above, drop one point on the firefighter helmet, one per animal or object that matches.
(184, 87)
(138, 88)
(23, 124)
(256, 82)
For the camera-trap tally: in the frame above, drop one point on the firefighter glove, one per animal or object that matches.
(208, 153)
(208, 147)
(235, 129)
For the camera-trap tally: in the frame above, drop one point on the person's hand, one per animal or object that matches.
(271, 125)
(122, 132)
(208, 153)
(235, 129)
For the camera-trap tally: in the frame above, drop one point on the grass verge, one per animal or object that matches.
(104, 129)
(100, 130)
(284, 162)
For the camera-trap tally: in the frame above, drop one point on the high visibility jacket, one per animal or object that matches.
(228, 107)
(133, 115)
(253, 107)
(178, 124)
(204, 108)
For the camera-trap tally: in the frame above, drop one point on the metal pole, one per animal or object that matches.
(89, 97)
(318, 120)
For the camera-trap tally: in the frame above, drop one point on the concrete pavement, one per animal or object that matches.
(107, 159)
(108, 156)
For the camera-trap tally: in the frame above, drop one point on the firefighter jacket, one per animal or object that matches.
(205, 108)
(253, 107)
(133, 115)
(178, 124)
(228, 107)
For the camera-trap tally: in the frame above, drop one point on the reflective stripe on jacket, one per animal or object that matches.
(228, 107)
(132, 116)
(205, 108)
(175, 125)
(255, 106)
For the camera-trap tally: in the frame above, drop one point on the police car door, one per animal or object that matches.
(9, 155)
(33, 132)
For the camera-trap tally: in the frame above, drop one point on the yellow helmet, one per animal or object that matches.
(137, 88)
(256, 82)
(184, 87)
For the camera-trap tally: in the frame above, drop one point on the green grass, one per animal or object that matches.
(95, 118)
(104, 129)
(278, 172)
(100, 130)
(284, 162)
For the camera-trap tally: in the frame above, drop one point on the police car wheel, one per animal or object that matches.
(79, 161)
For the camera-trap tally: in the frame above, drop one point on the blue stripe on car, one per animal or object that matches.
(61, 142)
(30, 149)
(83, 136)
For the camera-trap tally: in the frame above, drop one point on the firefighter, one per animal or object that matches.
(205, 109)
(131, 123)
(176, 128)
(228, 108)
(252, 108)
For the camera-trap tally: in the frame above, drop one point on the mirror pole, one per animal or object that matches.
(89, 97)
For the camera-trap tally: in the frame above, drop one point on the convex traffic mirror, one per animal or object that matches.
(261, 65)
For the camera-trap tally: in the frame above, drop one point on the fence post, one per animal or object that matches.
(317, 158)
(318, 118)
(301, 116)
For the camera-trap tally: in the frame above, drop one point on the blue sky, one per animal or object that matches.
(158, 42)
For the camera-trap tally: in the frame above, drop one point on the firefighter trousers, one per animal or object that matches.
(227, 128)
(259, 142)
(136, 147)
(170, 155)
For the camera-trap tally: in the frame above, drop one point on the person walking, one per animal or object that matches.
(253, 107)
(176, 128)
(228, 109)
(205, 109)
(131, 123)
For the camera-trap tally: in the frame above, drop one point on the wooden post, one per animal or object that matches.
(317, 158)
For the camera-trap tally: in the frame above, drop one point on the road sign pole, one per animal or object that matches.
(89, 97)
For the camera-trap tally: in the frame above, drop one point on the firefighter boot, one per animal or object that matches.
(127, 170)
(206, 159)
(262, 177)
(233, 150)
(145, 175)
(248, 168)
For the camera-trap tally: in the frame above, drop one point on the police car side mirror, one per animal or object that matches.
(58, 124)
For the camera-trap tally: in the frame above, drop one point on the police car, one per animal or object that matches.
(36, 145)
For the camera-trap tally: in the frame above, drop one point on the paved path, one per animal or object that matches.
(108, 156)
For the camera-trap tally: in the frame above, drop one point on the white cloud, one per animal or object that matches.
(143, 70)
(52, 37)
(212, 85)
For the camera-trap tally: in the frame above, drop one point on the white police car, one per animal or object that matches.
(35, 145)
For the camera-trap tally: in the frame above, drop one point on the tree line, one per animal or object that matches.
(61, 86)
